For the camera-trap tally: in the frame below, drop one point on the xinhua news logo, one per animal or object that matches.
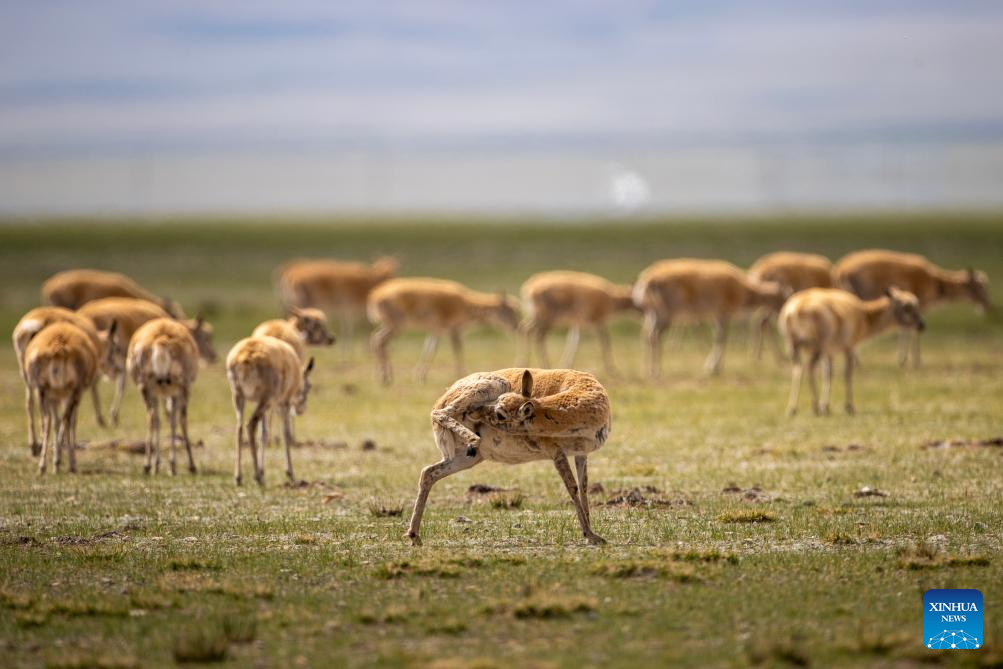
(952, 619)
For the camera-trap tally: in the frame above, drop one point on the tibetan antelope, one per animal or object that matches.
(74, 288)
(828, 321)
(304, 327)
(60, 363)
(30, 325)
(514, 416)
(163, 362)
(868, 274)
(339, 288)
(793, 271)
(438, 307)
(575, 300)
(267, 371)
(129, 315)
(691, 289)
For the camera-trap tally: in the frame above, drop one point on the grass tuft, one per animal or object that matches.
(201, 643)
(384, 508)
(69, 660)
(680, 573)
(506, 500)
(747, 516)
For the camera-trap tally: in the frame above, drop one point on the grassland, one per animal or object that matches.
(737, 536)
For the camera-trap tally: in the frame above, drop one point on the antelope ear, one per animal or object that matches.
(112, 329)
(526, 411)
(309, 367)
(527, 384)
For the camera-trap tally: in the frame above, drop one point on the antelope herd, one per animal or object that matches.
(103, 323)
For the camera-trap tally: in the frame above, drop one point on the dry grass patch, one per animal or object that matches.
(70, 660)
(675, 571)
(696, 555)
(839, 539)
(446, 568)
(394, 613)
(543, 606)
(927, 556)
(201, 643)
(188, 563)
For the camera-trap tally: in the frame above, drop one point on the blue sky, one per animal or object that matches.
(88, 81)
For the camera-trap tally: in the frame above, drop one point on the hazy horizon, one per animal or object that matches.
(113, 107)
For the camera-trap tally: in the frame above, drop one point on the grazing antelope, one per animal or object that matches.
(266, 370)
(514, 416)
(868, 274)
(575, 300)
(304, 327)
(339, 288)
(699, 290)
(128, 315)
(827, 321)
(60, 363)
(30, 325)
(163, 362)
(438, 307)
(74, 288)
(793, 271)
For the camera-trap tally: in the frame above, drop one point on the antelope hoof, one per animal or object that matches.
(102, 423)
(413, 536)
(823, 410)
(174, 469)
(41, 470)
(192, 469)
(850, 411)
(595, 539)
(36, 448)
(146, 469)
(237, 480)
(792, 411)
(260, 479)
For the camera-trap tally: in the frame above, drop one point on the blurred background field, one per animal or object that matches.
(738, 536)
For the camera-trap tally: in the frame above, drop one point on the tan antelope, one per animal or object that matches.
(830, 321)
(794, 272)
(60, 363)
(693, 289)
(514, 416)
(74, 288)
(438, 307)
(304, 327)
(267, 371)
(128, 315)
(337, 287)
(574, 300)
(868, 274)
(30, 325)
(163, 362)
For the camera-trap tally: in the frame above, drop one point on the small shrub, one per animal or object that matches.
(747, 516)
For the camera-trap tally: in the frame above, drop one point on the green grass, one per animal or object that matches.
(111, 568)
